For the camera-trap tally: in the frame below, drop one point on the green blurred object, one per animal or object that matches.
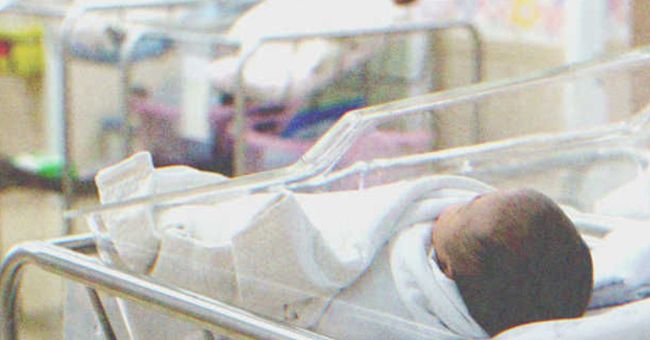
(47, 166)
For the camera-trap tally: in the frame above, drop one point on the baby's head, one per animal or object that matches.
(515, 257)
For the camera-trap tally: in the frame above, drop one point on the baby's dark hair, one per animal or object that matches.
(532, 265)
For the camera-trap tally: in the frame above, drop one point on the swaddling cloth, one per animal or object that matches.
(430, 295)
(306, 247)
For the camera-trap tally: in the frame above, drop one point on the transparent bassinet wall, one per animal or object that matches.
(573, 132)
(577, 133)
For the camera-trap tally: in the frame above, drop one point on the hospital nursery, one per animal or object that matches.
(324, 169)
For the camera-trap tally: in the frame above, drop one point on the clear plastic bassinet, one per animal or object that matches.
(598, 105)
(533, 132)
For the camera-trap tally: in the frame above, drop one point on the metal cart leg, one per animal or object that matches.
(58, 258)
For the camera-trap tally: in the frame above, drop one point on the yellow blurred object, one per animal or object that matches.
(526, 13)
(21, 52)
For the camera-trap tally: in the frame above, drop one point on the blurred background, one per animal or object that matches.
(83, 84)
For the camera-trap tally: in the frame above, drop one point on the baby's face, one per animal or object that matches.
(476, 216)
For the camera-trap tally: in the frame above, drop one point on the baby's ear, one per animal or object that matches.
(449, 271)
(403, 2)
(446, 268)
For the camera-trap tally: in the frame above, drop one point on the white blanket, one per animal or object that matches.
(285, 71)
(629, 321)
(283, 255)
(630, 199)
(621, 272)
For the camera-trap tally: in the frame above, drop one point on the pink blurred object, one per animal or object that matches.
(266, 149)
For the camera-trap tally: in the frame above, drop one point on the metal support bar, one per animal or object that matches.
(100, 312)
(205, 312)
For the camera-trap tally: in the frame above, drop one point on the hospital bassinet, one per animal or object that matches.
(360, 67)
(576, 158)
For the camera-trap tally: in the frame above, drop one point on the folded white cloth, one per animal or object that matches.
(132, 231)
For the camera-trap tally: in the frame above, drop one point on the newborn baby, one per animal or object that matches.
(443, 257)
(515, 258)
